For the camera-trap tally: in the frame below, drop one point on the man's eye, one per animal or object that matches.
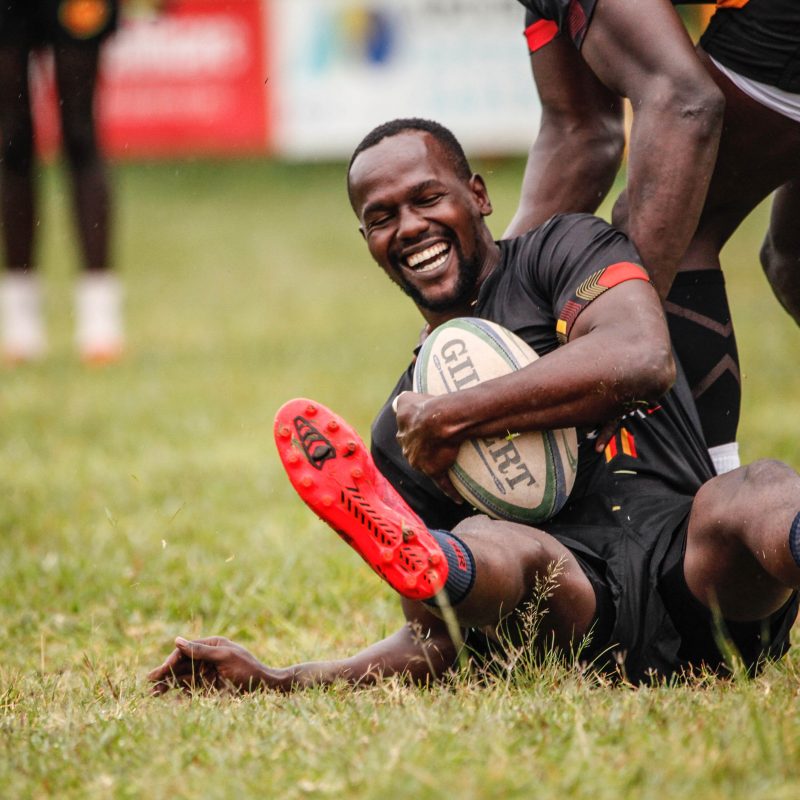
(377, 222)
(429, 199)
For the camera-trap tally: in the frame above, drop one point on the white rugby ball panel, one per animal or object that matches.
(523, 479)
(465, 352)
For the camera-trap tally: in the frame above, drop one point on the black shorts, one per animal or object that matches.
(758, 40)
(704, 638)
(647, 624)
(33, 23)
(545, 19)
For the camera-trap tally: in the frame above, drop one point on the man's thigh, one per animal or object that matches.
(636, 48)
(759, 151)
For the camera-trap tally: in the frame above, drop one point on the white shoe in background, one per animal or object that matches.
(23, 337)
(98, 318)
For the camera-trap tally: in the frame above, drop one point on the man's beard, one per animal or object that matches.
(468, 272)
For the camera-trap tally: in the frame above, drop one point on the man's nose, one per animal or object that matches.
(411, 224)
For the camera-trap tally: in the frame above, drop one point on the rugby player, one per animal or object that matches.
(649, 541)
(751, 51)
(74, 30)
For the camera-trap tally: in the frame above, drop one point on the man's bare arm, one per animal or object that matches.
(619, 353)
(421, 651)
(642, 51)
(578, 150)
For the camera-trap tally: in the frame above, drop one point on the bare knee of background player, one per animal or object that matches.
(738, 555)
(509, 561)
(780, 253)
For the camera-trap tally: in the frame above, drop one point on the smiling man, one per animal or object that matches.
(648, 542)
(439, 273)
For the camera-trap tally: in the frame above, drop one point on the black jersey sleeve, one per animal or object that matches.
(574, 259)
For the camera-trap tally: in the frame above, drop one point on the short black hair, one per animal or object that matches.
(452, 147)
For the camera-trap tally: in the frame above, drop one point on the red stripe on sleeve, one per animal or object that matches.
(622, 271)
(540, 33)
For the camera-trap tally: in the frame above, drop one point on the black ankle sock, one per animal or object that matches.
(702, 335)
(461, 567)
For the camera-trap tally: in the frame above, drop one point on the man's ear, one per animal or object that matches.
(481, 194)
(362, 232)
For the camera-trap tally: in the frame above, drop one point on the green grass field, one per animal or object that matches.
(144, 501)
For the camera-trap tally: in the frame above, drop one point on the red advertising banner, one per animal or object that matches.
(190, 81)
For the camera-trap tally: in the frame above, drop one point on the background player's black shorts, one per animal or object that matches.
(33, 23)
(704, 638)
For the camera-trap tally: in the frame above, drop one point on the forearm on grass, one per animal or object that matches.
(420, 656)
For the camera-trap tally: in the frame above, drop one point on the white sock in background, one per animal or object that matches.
(725, 457)
(23, 337)
(98, 312)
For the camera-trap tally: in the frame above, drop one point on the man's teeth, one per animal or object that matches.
(430, 258)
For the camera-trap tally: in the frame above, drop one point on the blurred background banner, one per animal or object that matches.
(343, 67)
(190, 81)
(307, 78)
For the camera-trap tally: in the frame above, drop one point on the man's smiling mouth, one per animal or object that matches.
(428, 259)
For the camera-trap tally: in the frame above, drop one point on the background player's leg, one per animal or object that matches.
(758, 151)
(780, 253)
(675, 129)
(76, 76)
(702, 334)
(738, 553)
(98, 311)
(20, 294)
(17, 157)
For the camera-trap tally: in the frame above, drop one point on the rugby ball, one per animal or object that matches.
(522, 477)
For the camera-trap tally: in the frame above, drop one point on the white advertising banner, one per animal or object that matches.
(340, 67)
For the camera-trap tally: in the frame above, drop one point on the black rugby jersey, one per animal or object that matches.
(542, 282)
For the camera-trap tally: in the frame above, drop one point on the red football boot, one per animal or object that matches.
(333, 471)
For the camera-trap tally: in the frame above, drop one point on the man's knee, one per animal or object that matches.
(775, 260)
(742, 512)
(508, 546)
(737, 544)
(769, 481)
(729, 501)
(780, 253)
